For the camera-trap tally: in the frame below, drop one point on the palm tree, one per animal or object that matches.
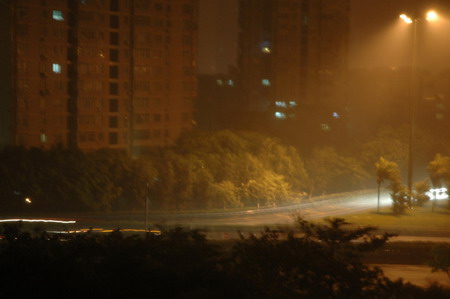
(386, 170)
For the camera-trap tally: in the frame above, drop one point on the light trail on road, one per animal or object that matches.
(286, 215)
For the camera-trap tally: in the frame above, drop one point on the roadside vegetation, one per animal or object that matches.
(307, 260)
(207, 171)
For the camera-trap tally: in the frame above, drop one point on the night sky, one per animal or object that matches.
(377, 37)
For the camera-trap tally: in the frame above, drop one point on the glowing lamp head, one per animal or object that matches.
(432, 16)
(406, 19)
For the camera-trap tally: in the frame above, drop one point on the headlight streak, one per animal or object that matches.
(77, 231)
(39, 220)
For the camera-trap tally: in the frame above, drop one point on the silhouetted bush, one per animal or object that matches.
(308, 261)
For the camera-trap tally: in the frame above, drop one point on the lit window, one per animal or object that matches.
(231, 82)
(281, 104)
(56, 68)
(58, 15)
(265, 47)
(325, 127)
(265, 82)
(336, 115)
(292, 104)
(219, 82)
(43, 137)
(280, 115)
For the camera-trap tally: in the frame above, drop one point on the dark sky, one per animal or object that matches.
(377, 38)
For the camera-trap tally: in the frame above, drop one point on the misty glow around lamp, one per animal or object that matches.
(431, 16)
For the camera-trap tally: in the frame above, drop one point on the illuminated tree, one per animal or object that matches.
(420, 194)
(439, 172)
(330, 172)
(388, 143)
(223, 195)
(386, 170)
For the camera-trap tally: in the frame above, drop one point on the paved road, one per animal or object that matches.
(336, 206)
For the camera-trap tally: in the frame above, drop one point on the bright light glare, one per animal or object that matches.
(266, 50)
(438, 193)
(280, 115)
(27, 200)
(432, 16)
(406, 19)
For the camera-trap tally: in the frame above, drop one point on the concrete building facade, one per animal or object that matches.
(92, 74)
(293, 58)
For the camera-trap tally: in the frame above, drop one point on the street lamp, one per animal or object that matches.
(431, 16)
(146, 206)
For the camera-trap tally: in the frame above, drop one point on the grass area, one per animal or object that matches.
(417, 218)
(406, 253)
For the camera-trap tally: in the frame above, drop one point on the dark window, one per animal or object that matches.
(114, 5)
(113, 105)
(188, 9)
(22, 29)
(114, 71)
(114, 38)
(113, 55)
(113, 138)
(141, 134)
(114, 21)
(113, 122)
(113, 88)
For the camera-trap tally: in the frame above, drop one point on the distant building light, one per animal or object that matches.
(43, 137)
(219, 82)
(58, 15)
(266, 50)
(56, 68)
(281, 104)
(292, 104)
(325, 127)
(265, 47)
(231, 82)
(280, 115)
(265, 82)
(336, 115)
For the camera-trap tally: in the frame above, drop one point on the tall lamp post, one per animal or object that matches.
(430, 16)
(146, 206)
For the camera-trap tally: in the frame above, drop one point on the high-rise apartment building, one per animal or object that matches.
(293, 57)
(97, 73)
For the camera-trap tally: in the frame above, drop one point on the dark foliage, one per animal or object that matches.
(69, 180)
(312, 261)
